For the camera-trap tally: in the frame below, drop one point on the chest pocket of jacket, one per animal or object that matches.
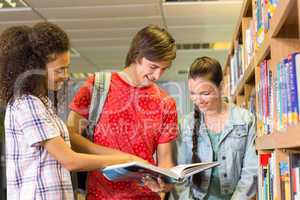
(238, 138)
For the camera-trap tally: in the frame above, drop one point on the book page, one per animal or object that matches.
(141, 167)
(185, 170)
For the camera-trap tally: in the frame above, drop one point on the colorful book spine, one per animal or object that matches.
(294, 110)
(284, 95)
(279, 98)
(288, 90)
(285, 181)
(296, 60)
(270, 98)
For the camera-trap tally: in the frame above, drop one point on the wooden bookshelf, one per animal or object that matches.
(283, 14)
(282, 38)
(284, 9)
(249, 73)
(289, 138)
(246, 11)
(263, 51)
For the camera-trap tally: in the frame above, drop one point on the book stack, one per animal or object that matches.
(269, 32)
(279, 94)
(237, 67)
(264, 91)
(287, 91)
(264, 10)
(267, 181)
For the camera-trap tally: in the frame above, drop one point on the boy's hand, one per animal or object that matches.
(133, 158)
(157, 185)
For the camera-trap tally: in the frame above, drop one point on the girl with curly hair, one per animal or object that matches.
(34, 61)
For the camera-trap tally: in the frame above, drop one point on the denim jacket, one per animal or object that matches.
(237, 156)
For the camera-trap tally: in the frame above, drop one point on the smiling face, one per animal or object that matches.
(58, 71)
(204, 93)
(147, 72)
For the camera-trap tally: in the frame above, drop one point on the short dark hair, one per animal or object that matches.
(153, 43)
(23, 52)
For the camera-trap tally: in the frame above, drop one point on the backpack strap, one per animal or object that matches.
(100, 91)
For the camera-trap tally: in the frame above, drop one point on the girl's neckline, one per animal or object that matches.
(226, 123)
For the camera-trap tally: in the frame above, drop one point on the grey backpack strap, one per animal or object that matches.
(100, 91)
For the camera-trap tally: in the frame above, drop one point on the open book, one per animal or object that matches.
(136, 170)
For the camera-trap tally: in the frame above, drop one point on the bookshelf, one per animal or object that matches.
(289, 138)
(263, 51)
(248, 74)
(261, 59)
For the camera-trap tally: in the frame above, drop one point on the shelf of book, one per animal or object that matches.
(265, 48)
(289, 138)
(248, 74)
(283, 10)
(263, 51)
(281, 22)
(282, 14)
(246, 10)
(279, 174)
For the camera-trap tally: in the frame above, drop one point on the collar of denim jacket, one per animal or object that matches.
(237, 115)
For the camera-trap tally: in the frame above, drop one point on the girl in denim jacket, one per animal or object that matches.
(217, 131)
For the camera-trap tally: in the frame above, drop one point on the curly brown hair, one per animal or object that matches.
(24, 54)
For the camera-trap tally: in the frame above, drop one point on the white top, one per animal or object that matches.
(32, 173)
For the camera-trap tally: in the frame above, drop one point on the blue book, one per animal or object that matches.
(136, 171)
(288, 90)
(284, 93)
(296, 62)
(279, 98)
(293, 115)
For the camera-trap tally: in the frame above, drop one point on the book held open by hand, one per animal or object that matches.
(136, 171)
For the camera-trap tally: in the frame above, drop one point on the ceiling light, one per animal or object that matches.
(6, 4)
(221, 45)
(11, 3)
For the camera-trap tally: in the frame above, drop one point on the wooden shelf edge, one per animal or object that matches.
(240, 85)
(263, 51)
(280, 140)
(227, 62)
(245, 6)
(281, 13)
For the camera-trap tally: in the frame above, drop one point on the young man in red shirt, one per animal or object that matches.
(138, 117)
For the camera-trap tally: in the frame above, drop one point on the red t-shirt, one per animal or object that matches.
(134, 120)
